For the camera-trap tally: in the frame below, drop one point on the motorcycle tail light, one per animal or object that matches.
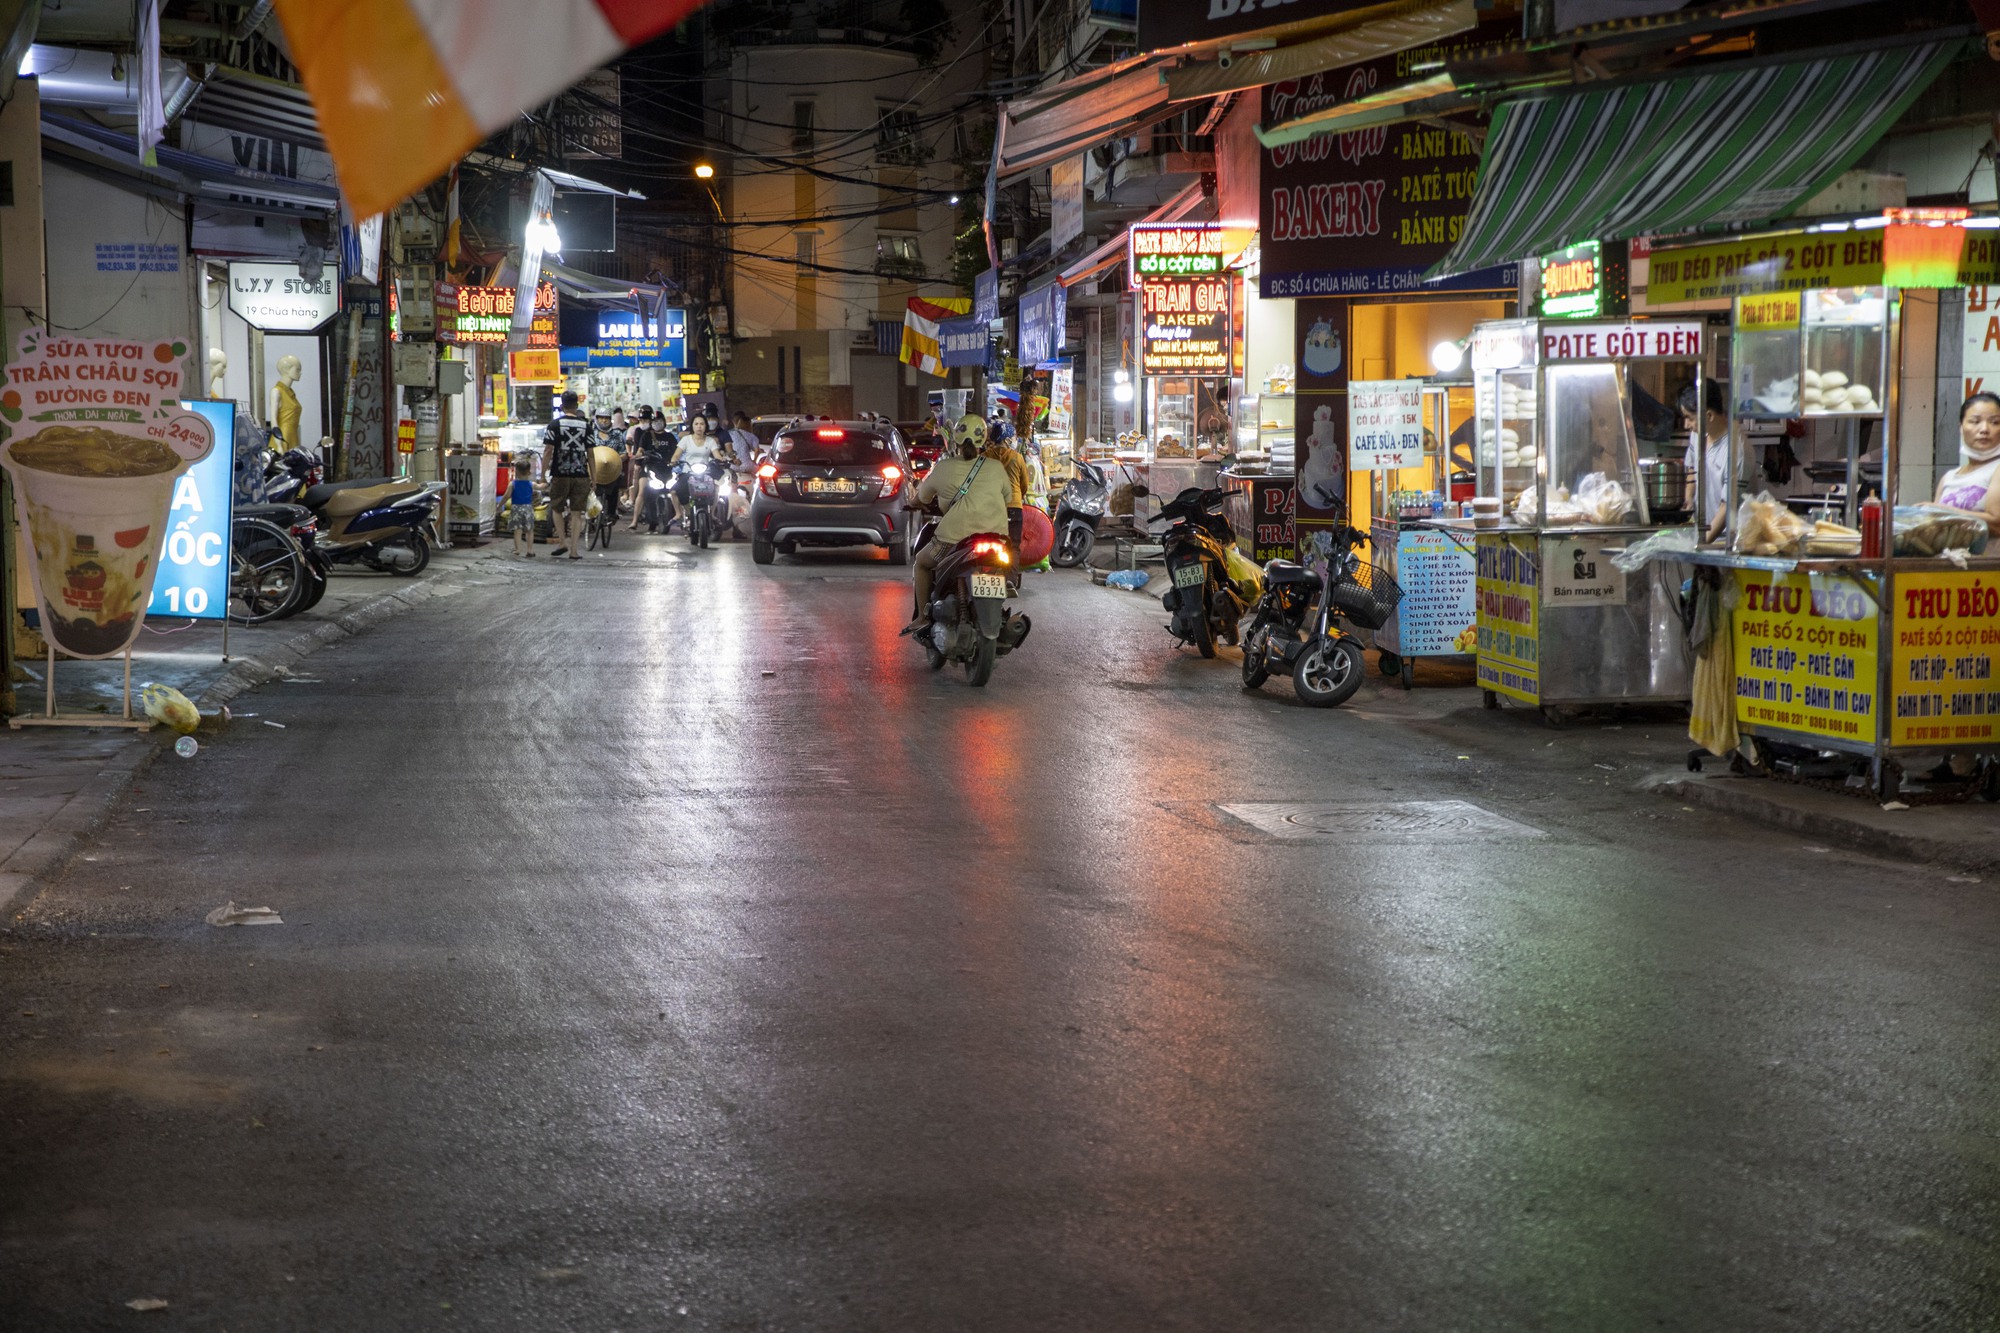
(998, 550)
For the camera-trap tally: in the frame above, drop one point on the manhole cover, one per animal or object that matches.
(1380, 821)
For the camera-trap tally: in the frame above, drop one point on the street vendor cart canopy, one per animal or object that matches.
(1740, 145)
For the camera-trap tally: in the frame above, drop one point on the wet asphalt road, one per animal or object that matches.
(664, 948)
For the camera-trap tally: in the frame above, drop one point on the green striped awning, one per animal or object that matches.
(1746, 145)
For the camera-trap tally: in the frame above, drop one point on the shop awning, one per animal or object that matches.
(234, 99)
(1141, 90)
(1743, 145)
(1394, 28)
(1182, 205)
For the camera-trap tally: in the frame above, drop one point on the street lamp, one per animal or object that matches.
(703, 171)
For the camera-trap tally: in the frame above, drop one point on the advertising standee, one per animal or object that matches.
(96, 442)
(193, 582)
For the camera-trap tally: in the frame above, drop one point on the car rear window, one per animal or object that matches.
(852, 448)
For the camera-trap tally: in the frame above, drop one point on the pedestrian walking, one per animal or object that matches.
(566, 459)
(521, 499)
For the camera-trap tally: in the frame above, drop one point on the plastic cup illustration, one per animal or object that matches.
(95, 500)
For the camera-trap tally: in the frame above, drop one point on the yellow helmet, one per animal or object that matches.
(968, 434)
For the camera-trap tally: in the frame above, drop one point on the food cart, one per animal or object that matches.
(1562, 482)
(1840, 662)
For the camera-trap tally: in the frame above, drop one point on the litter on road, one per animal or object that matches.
(229, 914)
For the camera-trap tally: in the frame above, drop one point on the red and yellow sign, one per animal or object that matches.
(537, 365)
(406, 436)
(1947, 637)
(486, 315)
(1805, 650)
(1187, 327)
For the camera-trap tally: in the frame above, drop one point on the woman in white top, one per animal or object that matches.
(695, 449)
(1971, 485)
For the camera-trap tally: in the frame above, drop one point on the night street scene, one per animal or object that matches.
(1004, 666)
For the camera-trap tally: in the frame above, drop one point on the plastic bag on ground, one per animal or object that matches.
(169, 707)
(229, 914)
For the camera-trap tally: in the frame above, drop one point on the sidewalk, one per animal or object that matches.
(57, 782)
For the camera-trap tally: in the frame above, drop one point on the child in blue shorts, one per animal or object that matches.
(521, 496)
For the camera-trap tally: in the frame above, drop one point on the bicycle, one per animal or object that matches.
(597, 528)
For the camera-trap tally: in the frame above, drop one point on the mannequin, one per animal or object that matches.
(285, 410)
(218, 366)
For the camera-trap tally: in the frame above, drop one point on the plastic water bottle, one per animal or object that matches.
(186, 747)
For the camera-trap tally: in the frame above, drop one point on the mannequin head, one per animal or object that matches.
(218, 367)
(289, 369)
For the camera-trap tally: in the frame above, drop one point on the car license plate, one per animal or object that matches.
(989, 585)
(1190, 576)
(829, 486)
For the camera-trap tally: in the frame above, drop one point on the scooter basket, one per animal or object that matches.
(1369, 598)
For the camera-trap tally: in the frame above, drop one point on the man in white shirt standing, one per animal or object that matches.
(1713, 466)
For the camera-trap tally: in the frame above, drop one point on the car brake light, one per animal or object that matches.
(765, 478)
(892, 480)
(826, 434)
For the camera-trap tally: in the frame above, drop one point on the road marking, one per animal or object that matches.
(1378, 821)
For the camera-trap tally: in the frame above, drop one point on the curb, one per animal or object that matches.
(52, 846)
(1856, 830)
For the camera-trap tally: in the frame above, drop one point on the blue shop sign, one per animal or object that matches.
(963, 342)
(986, 296)
(1044, 317)
(193, 578)
(623, 342)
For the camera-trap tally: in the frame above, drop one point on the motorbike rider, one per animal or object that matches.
(640, 445)
(1018, 482)
(696, 449)
(566, 462)
(970, 492)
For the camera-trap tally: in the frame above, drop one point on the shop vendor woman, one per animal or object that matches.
(1974, 485)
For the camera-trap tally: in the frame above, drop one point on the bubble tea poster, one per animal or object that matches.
(95, 440)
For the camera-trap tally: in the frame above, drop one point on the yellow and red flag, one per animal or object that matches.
(920, 329)
(404, 87)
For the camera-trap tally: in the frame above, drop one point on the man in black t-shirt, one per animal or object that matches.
(566, 458)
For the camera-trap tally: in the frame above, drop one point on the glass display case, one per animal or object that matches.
(1846, 367)
(1767, 359)
(1276, 418)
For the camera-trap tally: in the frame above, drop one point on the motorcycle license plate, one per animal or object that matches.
(829, 486)
(989, 585)
(1190, 576)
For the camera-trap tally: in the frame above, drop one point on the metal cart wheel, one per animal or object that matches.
(1488, 699)
(1409, 673)
(1388, 663)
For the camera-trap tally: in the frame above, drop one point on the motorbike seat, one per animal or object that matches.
(351, 497)
(1287, 571)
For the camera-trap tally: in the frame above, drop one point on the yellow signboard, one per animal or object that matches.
(690, 382)
(1794, 261)
(535, 365)
(1947, 635)
(1508, 606)
(1805, 650)
(1777, 313)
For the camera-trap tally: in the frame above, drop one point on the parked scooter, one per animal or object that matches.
(1296, 625)
(1079, 510)
(380, 522)
(970, 622)
(274, 571)
(1204, 600)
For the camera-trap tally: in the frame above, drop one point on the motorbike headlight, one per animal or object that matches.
(655, 484)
